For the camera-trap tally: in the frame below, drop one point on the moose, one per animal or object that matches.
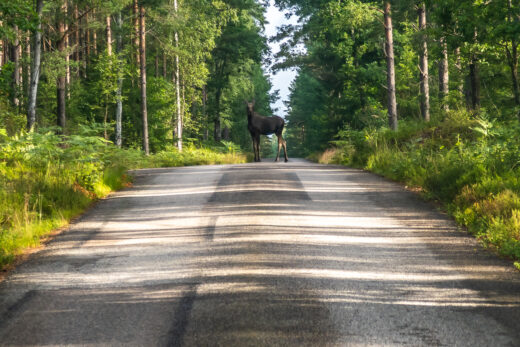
(260, 125)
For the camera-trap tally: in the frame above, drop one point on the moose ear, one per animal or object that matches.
(245, 102)
(253, 102)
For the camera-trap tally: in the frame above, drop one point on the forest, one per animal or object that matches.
(423, 92)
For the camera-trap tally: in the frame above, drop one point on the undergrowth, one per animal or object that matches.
(470, 164)
(46, 179)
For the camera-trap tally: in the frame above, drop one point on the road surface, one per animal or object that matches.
(262, 254)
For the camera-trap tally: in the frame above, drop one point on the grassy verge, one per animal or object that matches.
(471, 165)
(45, 180)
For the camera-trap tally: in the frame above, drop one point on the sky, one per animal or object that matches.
(282, 79)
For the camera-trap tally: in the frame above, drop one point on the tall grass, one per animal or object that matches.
(46, 179)
(471, 165)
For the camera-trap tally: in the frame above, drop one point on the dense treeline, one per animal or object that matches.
(90, 89)
(154, 73)
(423, 92)
(447, 55)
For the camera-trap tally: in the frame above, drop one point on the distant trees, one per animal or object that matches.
(471, 46)
(144, 69)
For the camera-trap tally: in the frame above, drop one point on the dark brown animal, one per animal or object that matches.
(260, 125)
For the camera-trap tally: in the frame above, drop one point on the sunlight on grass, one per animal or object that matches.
(46, 180)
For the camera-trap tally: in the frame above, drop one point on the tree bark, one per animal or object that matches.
(15, 58)
(67, 62)
(390, 67)
(61, 80)
(204, 114)
(27, 78)
(76, 55)
(135, 8)
(1, 51)
(216, 130)
(513, 57)
(458, 65)
(444, 75)
(94, 35)
(119, 101)
(109, 36)
(109, 53)
(177, 86)
(35, 69)
(142, 58)
(474, 80)
(424, 74)
(164, 67)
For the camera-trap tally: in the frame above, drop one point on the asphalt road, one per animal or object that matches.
(262, 254)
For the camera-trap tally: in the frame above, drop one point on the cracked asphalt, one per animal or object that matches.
(263, 254)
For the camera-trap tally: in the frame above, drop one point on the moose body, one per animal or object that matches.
(260, 125)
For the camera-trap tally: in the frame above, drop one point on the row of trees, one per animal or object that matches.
(367, 63)
(148, 72)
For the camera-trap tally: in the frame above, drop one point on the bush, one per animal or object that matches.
(471, 165)
(46, 179)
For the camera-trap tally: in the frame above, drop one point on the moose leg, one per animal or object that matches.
(257, 152)
(284, 144)
(254, 145)
(280, 141)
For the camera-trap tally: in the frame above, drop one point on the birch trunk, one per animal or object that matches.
(61, 80)
(390, 68)
(119, 101)
(109, 53)
(15, 58)
(142, 58)
(444, 75)
(35, 69)
(177, 87)
(425, 86)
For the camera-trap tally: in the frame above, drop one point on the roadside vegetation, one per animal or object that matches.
(469, 164)
(47, 179)
(423, 92)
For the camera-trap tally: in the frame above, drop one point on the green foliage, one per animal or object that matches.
(46, 179)
(471, 165)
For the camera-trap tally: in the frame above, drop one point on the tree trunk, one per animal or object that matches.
(1, 50)
(109, 36)
(109, 53)
(135, 8)
(142, 59)
(390, 68)
(27, 78)
(86, 53)
(444, 75)
(119, 101)
(204, 114)
(35, 69)
(156, 63)
(61, 80)
(94, 35)
(474, 80)
(67, 62)
(216, 130)
(15, 58)
(458, 65)
(513, 58)
(425, 86)
(164, 68)
(177, 87)
(76, 55)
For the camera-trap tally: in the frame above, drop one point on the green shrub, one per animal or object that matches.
(471, 165)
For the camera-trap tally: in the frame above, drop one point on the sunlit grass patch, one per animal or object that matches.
(46, 180)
